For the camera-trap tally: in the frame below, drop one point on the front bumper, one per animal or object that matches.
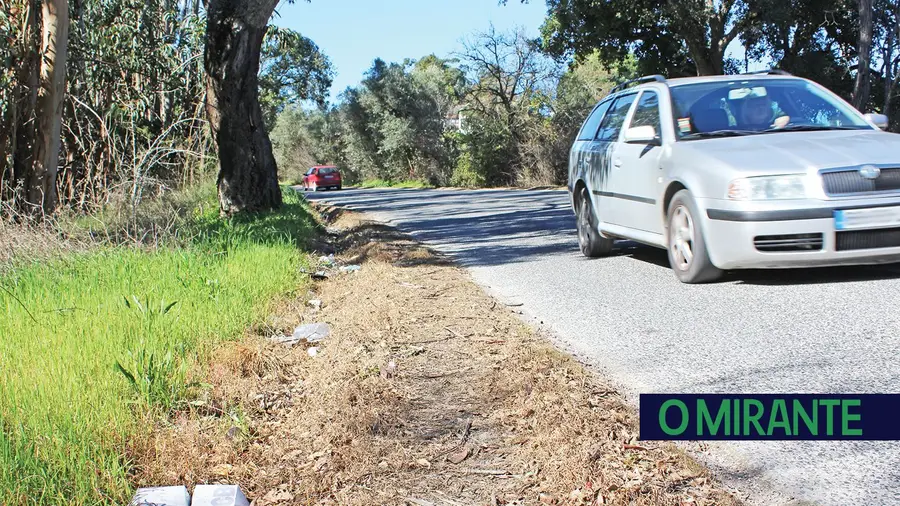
(731, 228)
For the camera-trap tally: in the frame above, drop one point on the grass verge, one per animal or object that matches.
(95, 344)
(426, 392)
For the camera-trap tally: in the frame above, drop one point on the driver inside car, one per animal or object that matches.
(756, 113)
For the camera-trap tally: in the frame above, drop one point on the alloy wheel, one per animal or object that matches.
(682, 238)
(584, 225)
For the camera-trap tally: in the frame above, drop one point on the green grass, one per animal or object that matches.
(382, 183)
(90, 343)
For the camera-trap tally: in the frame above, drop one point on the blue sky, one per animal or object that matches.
(355, 32)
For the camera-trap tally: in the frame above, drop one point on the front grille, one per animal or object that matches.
(789, 242)
(850, 182)
(868, 239)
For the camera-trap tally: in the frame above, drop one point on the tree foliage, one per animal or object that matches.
(500, 112)
(130, 119)
(293, 70)
(393, 123)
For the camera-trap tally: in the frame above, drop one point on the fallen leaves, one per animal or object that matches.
(275, 496)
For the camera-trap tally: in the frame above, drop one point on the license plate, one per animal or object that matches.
(877, 217)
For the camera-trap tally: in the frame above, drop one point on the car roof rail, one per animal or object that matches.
(646, 79)
(769, 71)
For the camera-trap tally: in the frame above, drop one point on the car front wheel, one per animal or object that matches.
(591, 242)
(686, 246)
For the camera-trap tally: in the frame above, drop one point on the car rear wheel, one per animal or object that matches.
(686, 246)
(591, 242)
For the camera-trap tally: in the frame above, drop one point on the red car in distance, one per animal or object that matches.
(322, 176)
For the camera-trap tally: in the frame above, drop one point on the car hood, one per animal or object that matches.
(792, 152)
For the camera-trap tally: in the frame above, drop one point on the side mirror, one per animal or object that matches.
(642, 135)
(880, 120)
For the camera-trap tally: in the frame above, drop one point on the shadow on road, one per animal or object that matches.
(812, 276)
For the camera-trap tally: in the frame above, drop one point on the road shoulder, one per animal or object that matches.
(426, 391)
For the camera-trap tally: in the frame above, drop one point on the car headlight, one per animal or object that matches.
(791, 186)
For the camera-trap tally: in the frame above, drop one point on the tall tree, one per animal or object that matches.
(394, 122)
(809, 38)
(861, 87)
(248, 175)
(511, 80)
(33, 103)
(887, 15)
(41, 185)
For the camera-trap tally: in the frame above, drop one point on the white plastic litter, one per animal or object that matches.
(161, 496)
(312, 332)
(350, 268)
(219, 495)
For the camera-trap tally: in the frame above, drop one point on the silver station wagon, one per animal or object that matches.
(762, 170)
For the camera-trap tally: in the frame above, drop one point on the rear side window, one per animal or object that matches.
(612, 122)
(590, 126)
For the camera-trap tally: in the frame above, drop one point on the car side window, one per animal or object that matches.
(612, 122)
(647, 112)
(310, 171)
(590, 126)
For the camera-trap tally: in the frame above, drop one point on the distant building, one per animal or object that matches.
(455, 119)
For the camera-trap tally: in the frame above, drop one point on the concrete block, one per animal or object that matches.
(219, 495)
(161, 496)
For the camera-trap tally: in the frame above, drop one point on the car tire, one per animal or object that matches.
(685, 244)
(591, 242)
(338, 187)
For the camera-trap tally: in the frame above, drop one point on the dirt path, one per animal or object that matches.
(426, 392)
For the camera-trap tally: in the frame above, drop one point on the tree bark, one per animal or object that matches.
(41, 182)
(248, 175)
(862, 85)
(25, 95)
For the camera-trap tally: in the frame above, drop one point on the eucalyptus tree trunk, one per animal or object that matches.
(24, 103)
(861, 87)
(248, 175)
(41, 182)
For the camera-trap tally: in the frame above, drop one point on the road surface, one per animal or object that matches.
(815, 331)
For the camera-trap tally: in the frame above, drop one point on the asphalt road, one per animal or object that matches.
(815, 331)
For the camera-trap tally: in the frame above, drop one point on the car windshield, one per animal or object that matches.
(327, 170)
(758, 106)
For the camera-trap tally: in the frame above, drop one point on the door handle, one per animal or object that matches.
(617, 162)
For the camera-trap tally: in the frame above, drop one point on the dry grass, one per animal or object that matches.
(427, 391)
(22, 243)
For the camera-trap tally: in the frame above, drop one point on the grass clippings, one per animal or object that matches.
(426, 392)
